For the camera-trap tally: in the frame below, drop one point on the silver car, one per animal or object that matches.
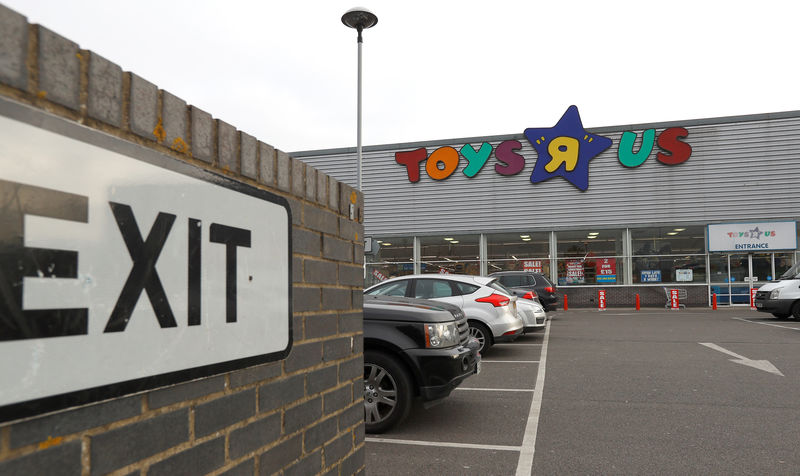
(532, 313)
(491, 311)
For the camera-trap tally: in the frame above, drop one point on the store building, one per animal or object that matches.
(709, 206)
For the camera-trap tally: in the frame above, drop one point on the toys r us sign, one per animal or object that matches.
(563, 150)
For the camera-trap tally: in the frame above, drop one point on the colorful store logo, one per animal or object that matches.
(752, 234)
(755, 234)
(563, 150)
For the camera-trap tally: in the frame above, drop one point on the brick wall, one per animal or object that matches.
(302, 415)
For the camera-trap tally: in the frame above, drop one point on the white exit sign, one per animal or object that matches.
(124, 270)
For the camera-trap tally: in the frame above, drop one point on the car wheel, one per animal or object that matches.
(796, 310)
(781, 315)
(482, 334)
(387, 392)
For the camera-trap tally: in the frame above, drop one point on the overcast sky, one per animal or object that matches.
(285, 71)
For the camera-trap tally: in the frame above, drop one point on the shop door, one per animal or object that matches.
(736, 274)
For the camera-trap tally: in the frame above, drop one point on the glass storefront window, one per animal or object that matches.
(589, 243)
(783, 261)
(592, 256)
(454, 254)
(539, 265)
(451, 267)
(518, 245)
(523, 251)
(718, 267)
(602, 270)
(668, 240)
(392, 249)
(669, 269)
(395, 257)
(672, 255)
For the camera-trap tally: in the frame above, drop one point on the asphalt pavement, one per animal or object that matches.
(618, 392)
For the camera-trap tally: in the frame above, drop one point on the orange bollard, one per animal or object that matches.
(566, 307)
(638, 306)
(714, 301)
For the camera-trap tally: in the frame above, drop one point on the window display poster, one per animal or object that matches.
(684, 275)
(575, 272)
(651, 275)
(534, 265)
(606, 270)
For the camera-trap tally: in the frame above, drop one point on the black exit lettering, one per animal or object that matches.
(18, 261)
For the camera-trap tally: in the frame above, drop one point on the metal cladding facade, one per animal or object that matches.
(740, 168)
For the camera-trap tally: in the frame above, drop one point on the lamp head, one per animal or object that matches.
(359, 18)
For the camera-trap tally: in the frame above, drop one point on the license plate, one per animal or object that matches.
(759, 304)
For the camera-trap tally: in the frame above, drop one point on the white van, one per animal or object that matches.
(782, 297)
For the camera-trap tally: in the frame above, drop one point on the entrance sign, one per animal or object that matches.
(776, 235)
(125, 270)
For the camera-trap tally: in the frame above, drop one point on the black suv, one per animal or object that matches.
(523, 281)
(412, 348)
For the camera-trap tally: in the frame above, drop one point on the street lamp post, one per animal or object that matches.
(359, 18)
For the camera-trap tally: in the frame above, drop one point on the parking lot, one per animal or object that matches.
(622, 392)
(478, 429)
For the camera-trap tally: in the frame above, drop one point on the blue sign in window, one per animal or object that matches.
(651, 275)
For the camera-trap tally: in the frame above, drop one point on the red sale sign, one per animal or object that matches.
(673, 298)
(601, 299)
(606, 269)
(575, 272)
(534, 265)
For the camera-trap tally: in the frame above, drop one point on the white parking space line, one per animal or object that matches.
(516, 344)
(525, 462)
(443, 444)
(484, 361)
(476, 389)
(766, 324)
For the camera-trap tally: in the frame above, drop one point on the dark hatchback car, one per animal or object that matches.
(523, 281)
(413, 348)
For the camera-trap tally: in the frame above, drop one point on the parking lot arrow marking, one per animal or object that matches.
(764, 365)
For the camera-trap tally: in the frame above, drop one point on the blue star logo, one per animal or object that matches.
(565, 150)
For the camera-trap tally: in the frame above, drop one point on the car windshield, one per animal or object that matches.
(792, 272)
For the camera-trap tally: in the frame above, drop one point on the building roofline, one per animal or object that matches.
(520, 136)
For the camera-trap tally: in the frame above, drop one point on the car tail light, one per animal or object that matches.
(530, 295)
(496, 300)
(549, 289)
